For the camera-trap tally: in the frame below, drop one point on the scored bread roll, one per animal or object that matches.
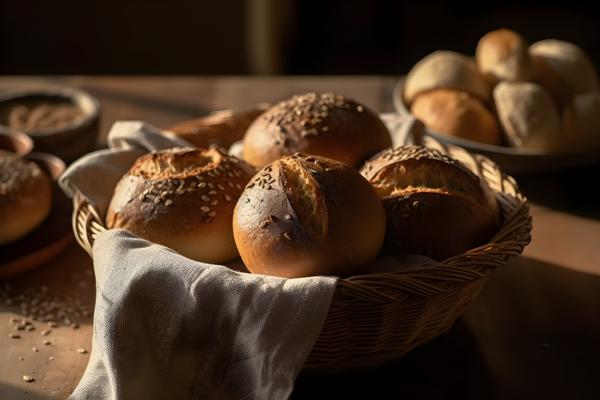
(182, 198)
(25, 197)
(581, 119)
(563, 68)
(308, 215)
(434, 205)
(504, 55)
(528, 115)
(326, 124)
(445, 70)
(220, 128)
(457, 114)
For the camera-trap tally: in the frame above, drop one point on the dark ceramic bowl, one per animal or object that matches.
(68, 142)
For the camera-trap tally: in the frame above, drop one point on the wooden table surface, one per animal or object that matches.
(534, 331)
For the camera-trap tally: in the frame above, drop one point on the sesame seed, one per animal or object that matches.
(28, 378)
(211, 186)
(21, 359)
(81, 351)
(50, 358)
(287, 216)
(214, 202)
(227, 197)
(169, 202)
(47, 343)
(14, 336)
(202, 185)
(212, 192)
(35, 349)
(264, 224)
(205, 209)
(212, 214)
(75, 326)
(359, 108)
(287, 236)
(52, 324)
(45, 332)
(221, 186)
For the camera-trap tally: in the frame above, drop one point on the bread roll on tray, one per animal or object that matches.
(457, 114)
(504, 55)
(445, 70)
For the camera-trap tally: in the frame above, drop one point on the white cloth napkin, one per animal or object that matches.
(167, 327)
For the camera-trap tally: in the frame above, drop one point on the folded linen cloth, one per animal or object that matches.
(167, 327)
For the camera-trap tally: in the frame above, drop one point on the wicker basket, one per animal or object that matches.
(379, 317)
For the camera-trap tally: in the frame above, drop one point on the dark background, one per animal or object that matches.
(310, 36)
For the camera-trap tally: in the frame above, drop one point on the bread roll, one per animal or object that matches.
(182, 198)
(504, 55)
(457, 114)
(564, 69)
(25, 197)
(445, 70)
(435, 206)
(221, 128)
(327, 124)
(528, 115)
(308, 215)
(581, 119)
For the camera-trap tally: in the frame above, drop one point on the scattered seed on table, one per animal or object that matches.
(47, 342)
(75, 326)
(50, 358)
(52, 324)
(30, 328)
(14, 336)
(28, 378)
(21, 359)
(81, 351)
(45, 332)
(35, 349)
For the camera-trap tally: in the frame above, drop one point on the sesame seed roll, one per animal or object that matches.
(328, 125)
(182, 198)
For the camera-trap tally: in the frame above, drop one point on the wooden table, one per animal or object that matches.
(534, 332)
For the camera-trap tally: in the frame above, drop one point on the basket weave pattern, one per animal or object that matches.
(379, 317)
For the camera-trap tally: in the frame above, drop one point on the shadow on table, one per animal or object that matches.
(450, 366)
(570, 190)
(15, 393)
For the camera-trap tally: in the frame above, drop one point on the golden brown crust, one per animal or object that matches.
(184, 199)
(504, 55)
(445, 70)
(25, 197)
(308, 215)
(529, 117)
(327, 124)
(435, 206)
(457, 114)
(221, 128)
(564, 69)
